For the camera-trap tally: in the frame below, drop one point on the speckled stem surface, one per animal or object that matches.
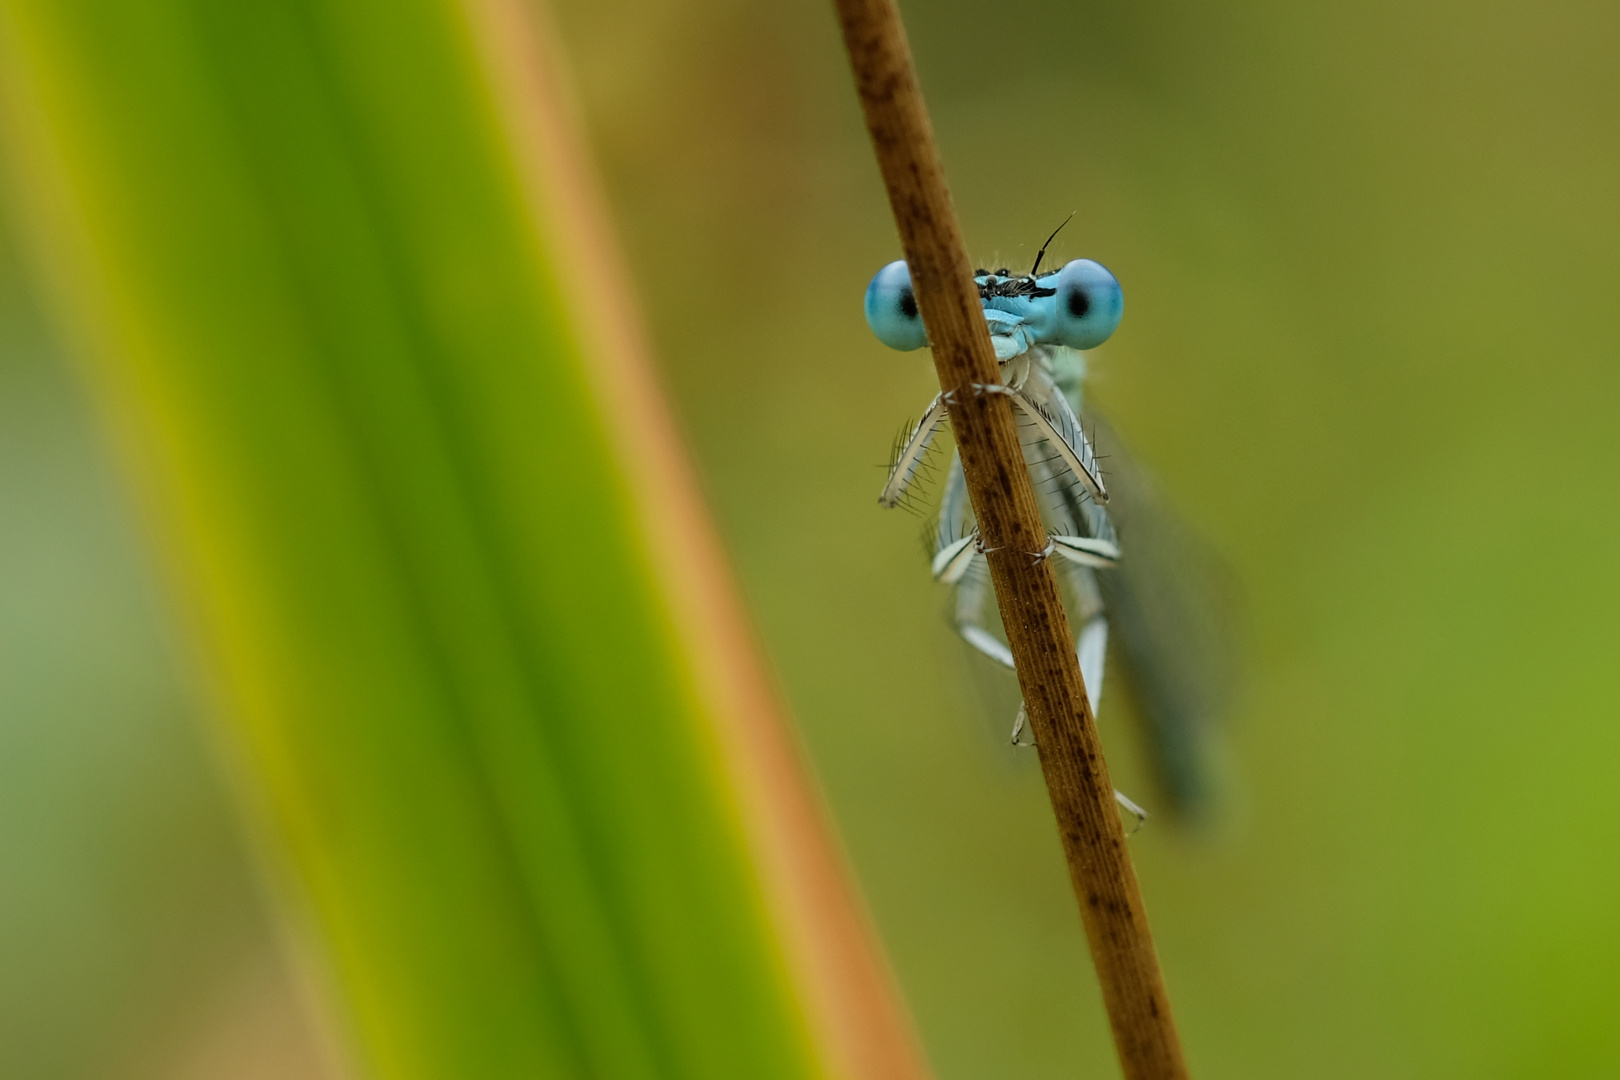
(1010, 525)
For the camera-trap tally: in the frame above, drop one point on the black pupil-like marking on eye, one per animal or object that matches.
(1079, 303)
(908, 304)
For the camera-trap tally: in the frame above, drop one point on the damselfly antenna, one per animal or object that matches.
(1041, 254)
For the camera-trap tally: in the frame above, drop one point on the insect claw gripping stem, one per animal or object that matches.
(1134, 810)
(1018, 726)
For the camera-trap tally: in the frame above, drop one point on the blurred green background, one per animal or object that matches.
(1369, 253)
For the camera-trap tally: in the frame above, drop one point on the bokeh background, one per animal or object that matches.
(1370, 254)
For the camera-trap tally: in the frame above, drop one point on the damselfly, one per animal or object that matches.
(1041, 325)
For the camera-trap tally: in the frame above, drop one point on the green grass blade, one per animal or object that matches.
(293, 239)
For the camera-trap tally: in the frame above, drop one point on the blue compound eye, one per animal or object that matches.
(1089, 304)
(891, 309)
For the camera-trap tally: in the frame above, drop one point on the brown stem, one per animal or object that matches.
(1010, 525)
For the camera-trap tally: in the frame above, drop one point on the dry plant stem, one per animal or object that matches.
(1004, 501)
(856, 1013)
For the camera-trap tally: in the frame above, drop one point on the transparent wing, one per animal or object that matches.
(1175, 620)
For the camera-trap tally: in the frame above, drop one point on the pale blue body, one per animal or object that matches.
(1037, 325)
(1166, 603)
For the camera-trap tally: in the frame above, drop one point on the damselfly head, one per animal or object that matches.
(1078, 306)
